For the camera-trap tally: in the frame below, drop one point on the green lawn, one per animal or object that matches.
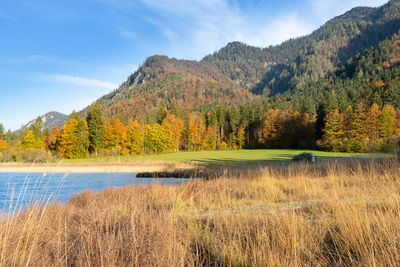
(225, 157)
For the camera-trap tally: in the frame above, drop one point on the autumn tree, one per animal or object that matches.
(172, 129)
(115, 137)
(271, 127)
(4, 145)
(388, 125)
(37, 127)
(240, 137)
(195, 132)
(373, 121)
(31, 142)
(333, 132)
(210, 139)
(155, 139)
(134, 138)
(95, 121)
(51, 141)
(73, 142)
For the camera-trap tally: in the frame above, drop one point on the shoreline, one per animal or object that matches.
(132, 167)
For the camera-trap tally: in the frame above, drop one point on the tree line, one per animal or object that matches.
(257, 125)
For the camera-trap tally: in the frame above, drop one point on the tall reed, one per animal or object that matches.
(336, 213)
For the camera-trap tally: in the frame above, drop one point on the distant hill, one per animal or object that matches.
(296, 73)
(50, 120)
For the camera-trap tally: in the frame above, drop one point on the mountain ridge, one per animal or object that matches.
(245, 73)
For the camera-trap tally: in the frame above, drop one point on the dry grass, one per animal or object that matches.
(338, 213)
(99, 167)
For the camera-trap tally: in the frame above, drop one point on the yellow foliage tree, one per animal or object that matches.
(195, 132)
(67, 139)
(135, 137)
(31, 142)
(172, 129)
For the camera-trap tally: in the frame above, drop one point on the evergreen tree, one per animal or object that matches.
(320, 122)
(37, 127)
(96, 126)
(82, 136)
(2, 131)
(161, 114)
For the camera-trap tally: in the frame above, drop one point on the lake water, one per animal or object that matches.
(19, 189)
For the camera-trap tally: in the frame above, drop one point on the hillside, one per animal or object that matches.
(50, 120)
(239, 73)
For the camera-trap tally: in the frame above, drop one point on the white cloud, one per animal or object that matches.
(327, 9)
(197, 28)
(76, 80)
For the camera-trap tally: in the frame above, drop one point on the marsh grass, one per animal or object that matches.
(333, 213)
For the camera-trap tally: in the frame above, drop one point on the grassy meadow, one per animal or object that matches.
(343, 212)
(227, 157)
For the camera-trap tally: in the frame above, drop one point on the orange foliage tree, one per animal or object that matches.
(116, 137)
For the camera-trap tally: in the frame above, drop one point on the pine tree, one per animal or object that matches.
(96, 126)
(82, 135)
(37, 127)
(2, 133)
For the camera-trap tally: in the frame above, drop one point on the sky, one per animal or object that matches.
(63, 55)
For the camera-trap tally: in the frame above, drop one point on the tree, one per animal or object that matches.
(4, 145)
(135, 138)
(67, 139)
(172, 128)
(82, 144)
(1, 131)
(357, 123)
(96, 126)
(388, 125)
(155, 139)
(333, 132)
(73, 142)
(31, 142)
(195, 132)
(240, 137)
(271, 127)
(161, 114)
(372, 123)
(320, 122)
(115, 137)
(51, 141)
(37, 127)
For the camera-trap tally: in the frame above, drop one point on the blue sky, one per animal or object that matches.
(62, 55)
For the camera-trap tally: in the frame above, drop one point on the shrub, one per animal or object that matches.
(304, 157)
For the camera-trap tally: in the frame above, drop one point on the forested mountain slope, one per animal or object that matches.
(240, 73)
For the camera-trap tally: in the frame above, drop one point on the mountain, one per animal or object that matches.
(297, 72)
(50, 120)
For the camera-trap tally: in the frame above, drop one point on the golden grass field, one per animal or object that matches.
(333, 213)
(106, 167)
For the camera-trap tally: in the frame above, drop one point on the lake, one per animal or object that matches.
(19, 189)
